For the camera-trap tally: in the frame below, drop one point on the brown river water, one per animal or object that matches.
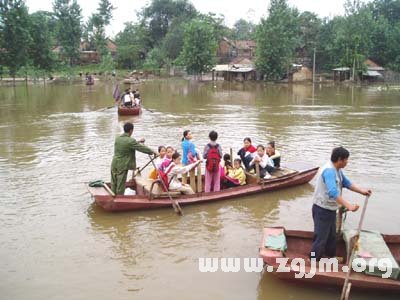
(56, 244)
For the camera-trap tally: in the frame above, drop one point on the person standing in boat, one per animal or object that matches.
(327, 198)
(212, 154)
(124, 159)
(189, 155)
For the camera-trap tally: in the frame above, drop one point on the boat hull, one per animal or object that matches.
(142, 199)
(299, 245)
(129, 111)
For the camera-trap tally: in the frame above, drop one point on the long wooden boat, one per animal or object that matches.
(149, 193)
(299, 245)
(129, 111)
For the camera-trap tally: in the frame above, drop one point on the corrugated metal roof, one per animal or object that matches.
(372, 74)
(342, 69)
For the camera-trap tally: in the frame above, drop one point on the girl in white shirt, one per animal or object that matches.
(176, 168)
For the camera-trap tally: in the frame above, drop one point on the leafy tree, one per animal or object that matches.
(199, 47)
(159, 15)
(309, 28)
(15, 37)
(42, 41)
(173, 41)
(243, 30)
(276, 40)
(132, 45)
(95, 28)
(68, 14)
(155, 60)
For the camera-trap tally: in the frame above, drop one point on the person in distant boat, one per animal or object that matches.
(274, 154)
(175, 169)
(247, 152)
(126, 98)
(265, 162)
(136, 94)
(327, 198)
(124, 159)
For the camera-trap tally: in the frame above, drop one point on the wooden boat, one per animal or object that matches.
(299, 245)
(129, 111)
(149, 193)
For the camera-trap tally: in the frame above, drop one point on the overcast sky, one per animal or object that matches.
(232, 10)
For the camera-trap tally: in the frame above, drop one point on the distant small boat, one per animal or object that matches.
(89, 80)
(299, 245)
(129, 111)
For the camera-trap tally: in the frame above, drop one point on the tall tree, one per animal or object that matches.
(15, 37)
(132, 45)
(243, 30)
(95, 29)
(199, 47)
(40, 50)
(68, 14)
(159, 14)
(276, 40)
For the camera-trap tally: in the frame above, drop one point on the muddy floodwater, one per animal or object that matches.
(55, 243)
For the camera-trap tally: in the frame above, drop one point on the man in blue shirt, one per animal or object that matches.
(327, 198)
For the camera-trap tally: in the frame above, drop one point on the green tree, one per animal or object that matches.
(199, 47)
(309, 29)
(69, 30)
(276, 40)
(40, 50)
(15, 37)
(243, 30)
(155, 60)
(173, 41)
(95, 29)
(132, 45)
(159, 15)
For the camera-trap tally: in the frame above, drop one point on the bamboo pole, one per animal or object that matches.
(199, 182)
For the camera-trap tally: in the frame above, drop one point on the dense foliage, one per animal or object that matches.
(172, 32)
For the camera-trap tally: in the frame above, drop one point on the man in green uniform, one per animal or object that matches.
(124, 159)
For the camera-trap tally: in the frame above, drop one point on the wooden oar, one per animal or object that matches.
(101, 109)
(174, 202)
(347, 285)
(142, 168)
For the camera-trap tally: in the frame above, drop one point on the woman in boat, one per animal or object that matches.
(236, 176)
(265, 162)
(175, 169)
(327, 198)
(225, 166)
(247, 152)
(189, 154)
(274, 154)
(212, 153)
